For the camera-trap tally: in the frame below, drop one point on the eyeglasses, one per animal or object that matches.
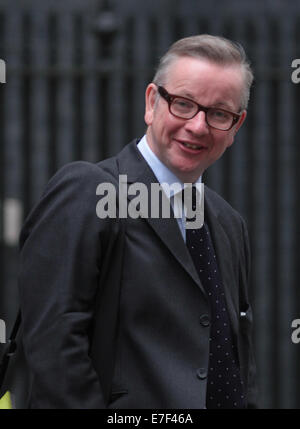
(185, 108)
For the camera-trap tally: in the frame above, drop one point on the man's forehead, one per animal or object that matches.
(188, 75)
(185, 64)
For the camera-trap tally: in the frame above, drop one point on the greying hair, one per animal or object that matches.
(215, 49)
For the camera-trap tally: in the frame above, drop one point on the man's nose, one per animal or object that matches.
(197, 124)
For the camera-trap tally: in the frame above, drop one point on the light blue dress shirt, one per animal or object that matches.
(163, 175)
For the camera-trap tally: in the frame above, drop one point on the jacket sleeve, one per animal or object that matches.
(60, 262)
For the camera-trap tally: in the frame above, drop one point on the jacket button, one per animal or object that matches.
(201, 373)
(204, 320)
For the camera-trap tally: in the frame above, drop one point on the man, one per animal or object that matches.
(133, 312)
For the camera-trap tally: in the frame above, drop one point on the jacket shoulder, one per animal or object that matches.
(81, 172)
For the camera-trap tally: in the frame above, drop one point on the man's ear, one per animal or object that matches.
(150, 99)
(237, 127)
(241, 120)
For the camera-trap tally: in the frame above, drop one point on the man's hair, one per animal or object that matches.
(215, 49)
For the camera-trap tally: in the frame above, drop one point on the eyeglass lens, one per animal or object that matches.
(187, 109)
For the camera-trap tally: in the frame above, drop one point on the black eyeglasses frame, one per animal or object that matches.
(171, 97)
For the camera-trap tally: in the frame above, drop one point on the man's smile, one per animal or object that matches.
(195, 147)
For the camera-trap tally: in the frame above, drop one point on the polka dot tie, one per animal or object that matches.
(224, 385)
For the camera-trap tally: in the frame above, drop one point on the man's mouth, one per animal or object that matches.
(191, 146)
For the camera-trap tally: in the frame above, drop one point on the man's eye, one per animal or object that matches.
(183, 104)
(219, 114)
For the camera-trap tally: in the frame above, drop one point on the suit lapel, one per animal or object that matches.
(135, 167)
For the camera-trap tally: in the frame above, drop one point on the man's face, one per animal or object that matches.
(208, 84)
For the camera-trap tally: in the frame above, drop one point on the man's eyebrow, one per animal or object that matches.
(188, 95)
(222, 106)
(219, 104)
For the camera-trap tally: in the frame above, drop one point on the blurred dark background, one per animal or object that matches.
(75, 81)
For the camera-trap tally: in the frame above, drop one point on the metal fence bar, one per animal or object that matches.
(65, 90)
(215, 176)
(38, 107)
(240, 163)
(91, 114)
(116, 102)
(141, 45)
(13, 113)
(190, 26)
(13, 164)
(286, 207)
(164, 36)
(261, 226)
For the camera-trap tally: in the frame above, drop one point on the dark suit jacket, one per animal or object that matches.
(113, 309)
